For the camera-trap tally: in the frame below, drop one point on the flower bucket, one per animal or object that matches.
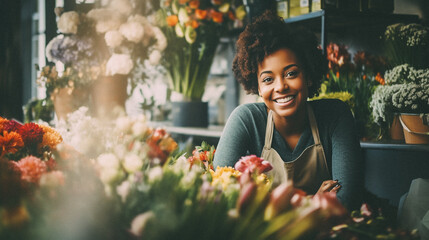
(190, 114)
(416, 128)
(396, 131)
(67, 100)
(109, 94)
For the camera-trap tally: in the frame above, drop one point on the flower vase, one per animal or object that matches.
(67, 100)
(189, 113)
(109, 94)
(396, 131)
(416, 128)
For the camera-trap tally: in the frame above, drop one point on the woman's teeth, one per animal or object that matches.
(284, 100)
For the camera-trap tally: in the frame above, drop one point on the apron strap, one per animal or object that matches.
(313, 125)
(269, 131)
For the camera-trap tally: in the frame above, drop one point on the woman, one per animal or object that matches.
(311, 142)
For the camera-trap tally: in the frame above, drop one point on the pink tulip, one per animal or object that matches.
(253, 164)
(329, 204)
(280, 200)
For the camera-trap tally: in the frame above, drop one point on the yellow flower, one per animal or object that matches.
(224, 176)
(51, 137)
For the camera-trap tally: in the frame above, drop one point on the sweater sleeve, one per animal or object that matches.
(235, 139)
(347, 159)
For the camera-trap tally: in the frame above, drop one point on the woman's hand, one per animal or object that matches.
(329, 186)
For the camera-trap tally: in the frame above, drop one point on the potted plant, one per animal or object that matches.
(407, 82)
(193, 29)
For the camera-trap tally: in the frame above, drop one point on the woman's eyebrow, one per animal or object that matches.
(285, 68)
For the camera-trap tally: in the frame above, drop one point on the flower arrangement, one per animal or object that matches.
(106, 41)
(406, 87)
(137, 188)
(357, 75)
(193, 29)
(407, 44)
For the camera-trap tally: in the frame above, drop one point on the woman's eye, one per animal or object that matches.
(291, 74)
(267, 79)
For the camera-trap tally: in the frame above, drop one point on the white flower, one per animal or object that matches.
(119, 64)
(123, 124)
(113, 38)
(139, 128)
(183, 16)
(139, 223)
(122, 6)
(68, 22)
(120, 150)
(108, 161)
(179, 30)
(155, 57)
(109, 175)
(123, 190)
(106, 19)
(132, 163)
(161, 40)
(155, 174)
(132, 31)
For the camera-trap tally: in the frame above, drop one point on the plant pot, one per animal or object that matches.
(396, 131)
(416, 128)
(189, 114)
(68, 100)
(109, 94)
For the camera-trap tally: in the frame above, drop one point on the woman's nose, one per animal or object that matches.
(281, 85)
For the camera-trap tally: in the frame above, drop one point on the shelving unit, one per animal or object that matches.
(335, 21)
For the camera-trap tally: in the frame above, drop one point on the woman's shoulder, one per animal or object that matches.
(250, 112)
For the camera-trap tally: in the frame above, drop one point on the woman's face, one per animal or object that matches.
(281, 83)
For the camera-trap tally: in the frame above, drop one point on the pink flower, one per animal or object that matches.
(253, 164)
(32, 168)
(329, 204)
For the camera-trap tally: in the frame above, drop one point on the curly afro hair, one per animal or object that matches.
(267, 34)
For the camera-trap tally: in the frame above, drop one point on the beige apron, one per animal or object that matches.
(308, 171)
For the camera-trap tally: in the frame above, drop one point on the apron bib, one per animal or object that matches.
(308, 171)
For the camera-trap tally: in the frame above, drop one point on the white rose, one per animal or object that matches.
(132, 31)
(155, 57)
(139, 222)
(108, 161)
(123, 190)
(68, 22)
(119, 64)
(113, 38)
(122, 6)
(132, 163)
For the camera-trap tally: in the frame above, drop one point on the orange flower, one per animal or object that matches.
(364, 77)
(51, 137)
(380, 79)
(200, 14)
(217, 16)
(194, 4)
(217, 2)
(10, 142)
(338, 74)
(194, 24)
(172, 20)
(2, 122)
(231, 15)
(183, 1)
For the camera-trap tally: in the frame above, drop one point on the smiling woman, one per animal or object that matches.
(310, 143)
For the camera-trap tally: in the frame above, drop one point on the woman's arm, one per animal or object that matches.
(347, 160)
(235, 140)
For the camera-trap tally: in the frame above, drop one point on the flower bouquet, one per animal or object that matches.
(357, 76)
(193, 29)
